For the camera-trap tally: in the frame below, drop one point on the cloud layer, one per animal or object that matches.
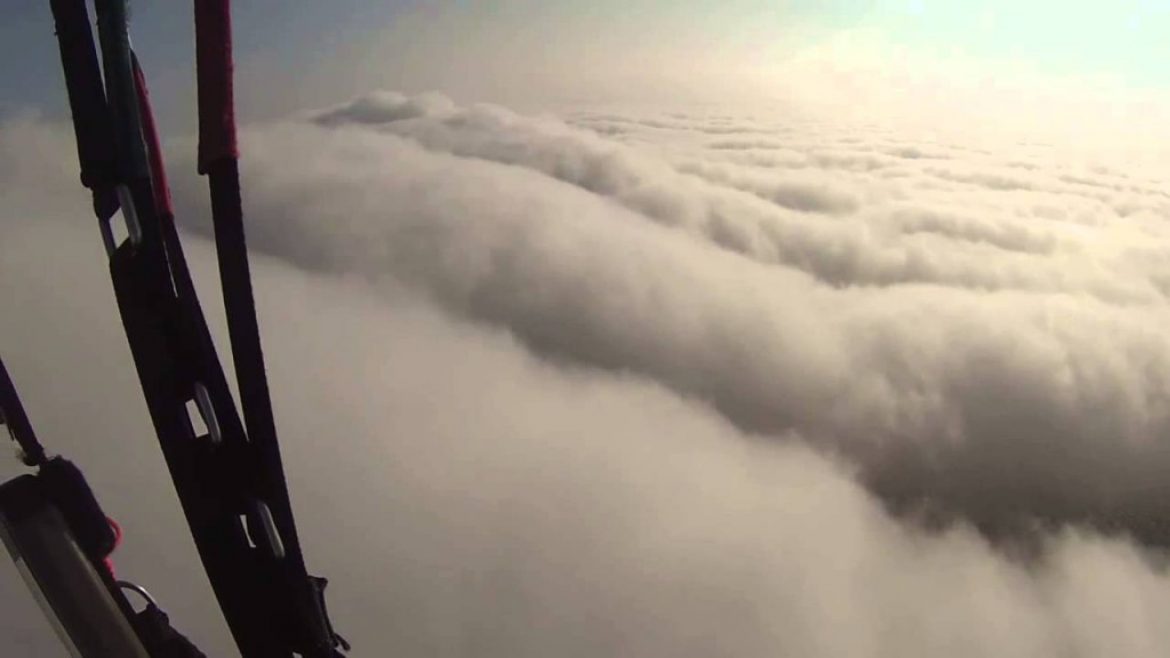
(1011, 369)
(467, 498)
(544, 392)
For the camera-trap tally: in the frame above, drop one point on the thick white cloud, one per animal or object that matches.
(996, 404)
(524, 414)
(750, 211)
(466, 498)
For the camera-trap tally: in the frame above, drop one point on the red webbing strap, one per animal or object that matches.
(158, 173)
(213, 54)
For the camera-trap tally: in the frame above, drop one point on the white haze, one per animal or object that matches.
(626, 383)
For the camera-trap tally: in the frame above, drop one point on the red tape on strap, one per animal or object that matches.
(213, 64)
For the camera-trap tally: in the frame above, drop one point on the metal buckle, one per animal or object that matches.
(129, 215)
(203, 401)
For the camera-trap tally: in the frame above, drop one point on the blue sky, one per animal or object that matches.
(1121, 39)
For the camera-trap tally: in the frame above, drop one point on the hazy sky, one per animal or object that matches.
(303, 54)
(294, 33)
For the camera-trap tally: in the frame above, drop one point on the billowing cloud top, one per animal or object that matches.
(661, 383)
(950, 320)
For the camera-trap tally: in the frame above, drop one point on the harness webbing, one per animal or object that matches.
(87, 103)
(12, 415)
(218, 159)
(229, 481)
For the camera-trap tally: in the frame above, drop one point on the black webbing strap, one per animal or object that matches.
(316, 635)
(177, 366)
(87, 102)
(230, 484)
(12, 416)
(160, 638)
(218, 159)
